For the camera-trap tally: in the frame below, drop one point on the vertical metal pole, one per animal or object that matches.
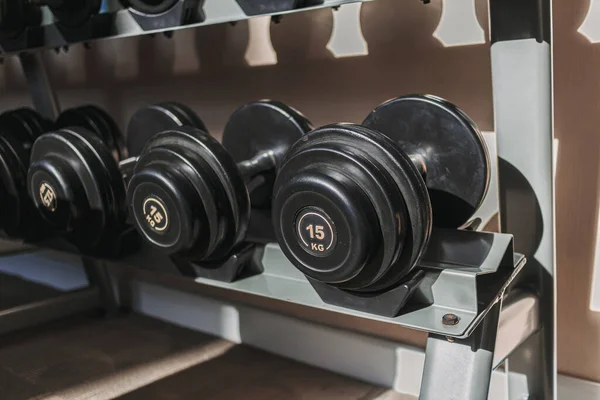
(461, 369)
(99, 276)
(522, 83)
(42, 94)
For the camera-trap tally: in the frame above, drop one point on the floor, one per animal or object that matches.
(15, 291)
(132, 357)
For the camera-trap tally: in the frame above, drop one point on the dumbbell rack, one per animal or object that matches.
(122, 23)
(459, 357)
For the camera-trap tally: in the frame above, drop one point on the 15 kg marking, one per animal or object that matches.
(316, 232)
(156, 214)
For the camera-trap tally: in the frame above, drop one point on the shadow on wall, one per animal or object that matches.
(577, 122)
(206, 67)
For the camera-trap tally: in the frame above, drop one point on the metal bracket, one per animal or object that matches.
(99, 278)
(461, 369)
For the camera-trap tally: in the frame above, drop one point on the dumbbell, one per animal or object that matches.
(75, 182)
(16, 16)
(354, 206)
(190, 195)
(18, 130)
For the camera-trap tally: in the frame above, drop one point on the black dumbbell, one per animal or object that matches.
(354, 205)
(18, 130)
(16, 16)
(75, 182)
(70, 13)
(189, 195)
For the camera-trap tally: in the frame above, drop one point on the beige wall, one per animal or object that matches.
(205, 69)
(577, 122)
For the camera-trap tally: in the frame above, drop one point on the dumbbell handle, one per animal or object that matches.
(258, 164)
(127, 167)
(266, 161)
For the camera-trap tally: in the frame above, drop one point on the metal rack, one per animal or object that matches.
(119, 23)
(459, 360)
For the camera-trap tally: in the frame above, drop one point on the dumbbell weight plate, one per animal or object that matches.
(186, 115)
(418, 207)
(245, 136)
(84, 201)
(15, 218)
(18, 131)
(155, 118)
(455, 155)
(95, 120)
(12, 174)
(27, 124)
(195, 185)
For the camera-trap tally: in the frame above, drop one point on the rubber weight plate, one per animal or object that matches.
(152, 119)
(452, 148)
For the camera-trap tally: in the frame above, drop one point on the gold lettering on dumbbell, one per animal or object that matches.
(319, 231)
(155, 214)
(48, 196)
(317, 247)
(312, 233)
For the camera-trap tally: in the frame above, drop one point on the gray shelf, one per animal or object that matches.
(453, 282)
(452, 292)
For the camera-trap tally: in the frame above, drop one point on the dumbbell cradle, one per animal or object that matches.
(354, 205)
(191, 196)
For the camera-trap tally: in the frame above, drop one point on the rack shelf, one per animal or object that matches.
(122, 23)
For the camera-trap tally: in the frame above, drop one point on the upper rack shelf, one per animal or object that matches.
(114, 21)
